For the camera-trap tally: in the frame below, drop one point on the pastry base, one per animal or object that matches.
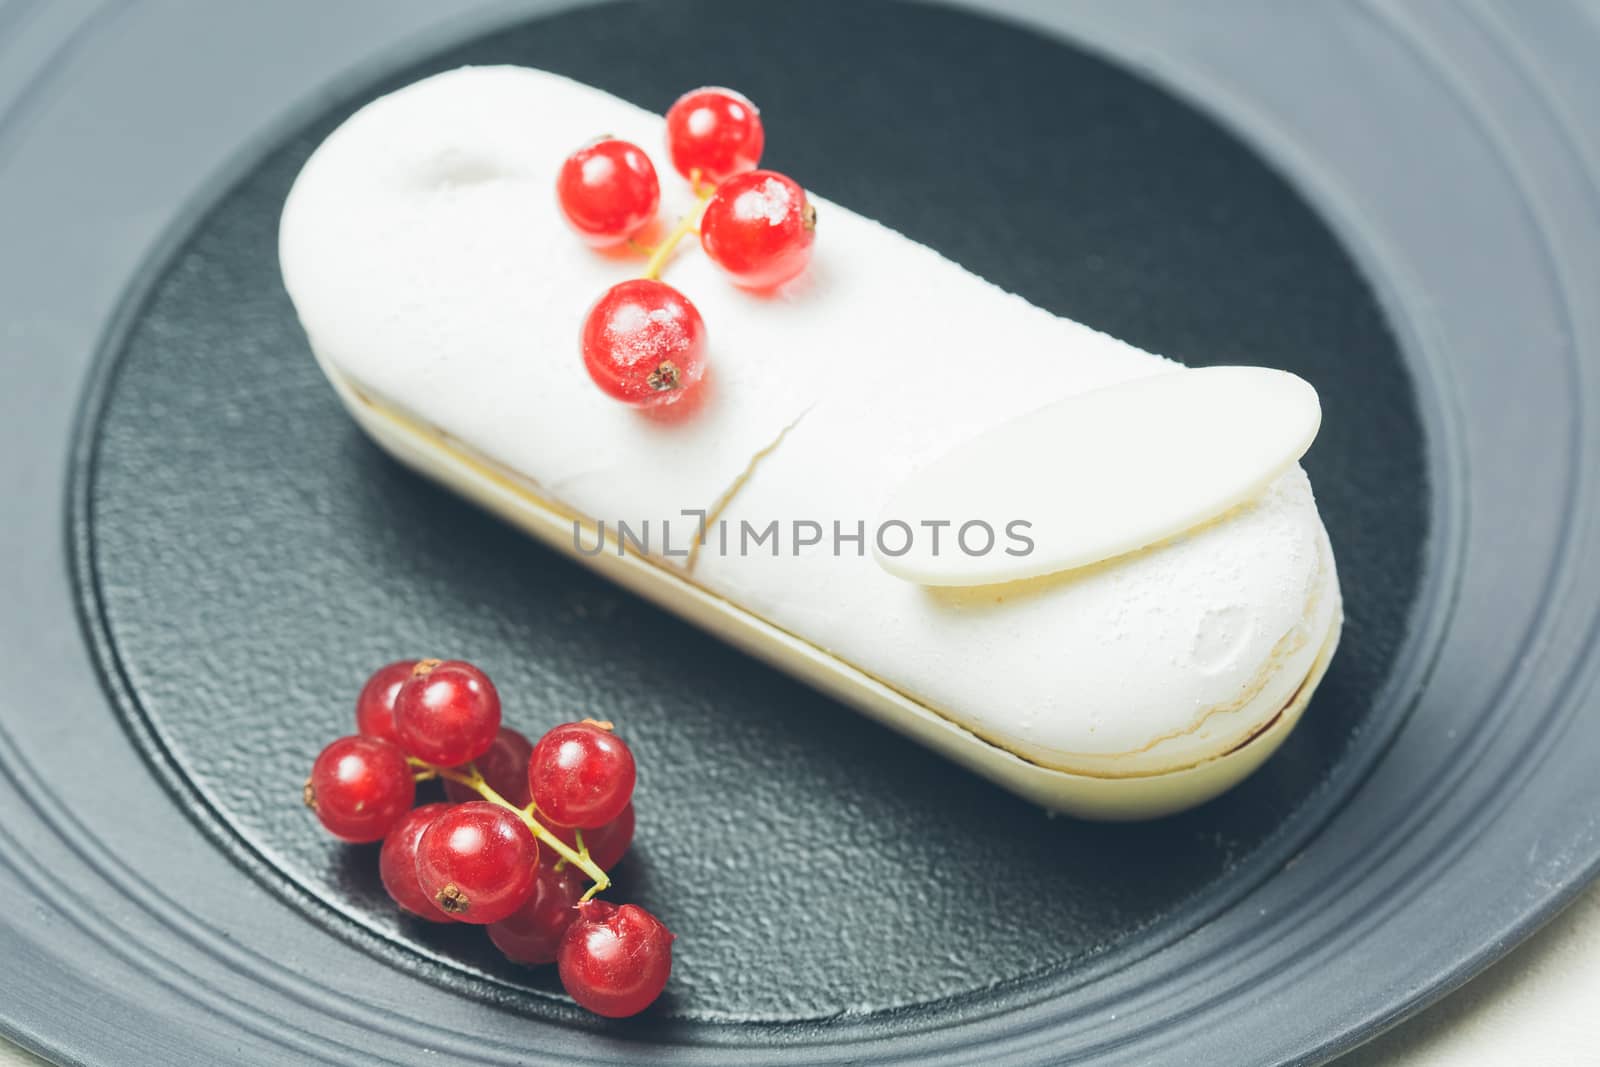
(445, 460)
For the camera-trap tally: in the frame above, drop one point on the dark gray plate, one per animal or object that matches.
(240, 556)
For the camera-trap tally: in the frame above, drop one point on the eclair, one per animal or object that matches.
(1134, 597)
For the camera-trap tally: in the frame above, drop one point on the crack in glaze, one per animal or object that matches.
(727, 496)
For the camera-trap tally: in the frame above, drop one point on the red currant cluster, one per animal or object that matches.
(644, 342)
(476, 857)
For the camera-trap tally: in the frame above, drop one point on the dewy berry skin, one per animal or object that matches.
(759, 228)
(644, 343)
(447, 712)
(713, 134)
(581, 775)
(521, 844)
(608, 192)
(360, 788)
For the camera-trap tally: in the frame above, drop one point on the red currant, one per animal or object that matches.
(533, 932)
(477, 862)
(504, 767)
(615, 961)
(759, 228)
(644, 343)
(360, 787)
(606, 844)
(375, 705)
(581, 774)
(447, 713)
(397, 863)
(608, 191)
(716, 132)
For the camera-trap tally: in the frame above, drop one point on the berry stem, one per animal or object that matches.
(582, 850)
(582, 862)
(686, 225)
(474, 781)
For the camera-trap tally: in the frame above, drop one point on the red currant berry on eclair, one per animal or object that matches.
(608, 191)
(759, 228)
(581, 774)
(644, 343)
(397, 863)
(360, 788)
(715, 133)
(615, 961)
(447, 712)
(477, 862)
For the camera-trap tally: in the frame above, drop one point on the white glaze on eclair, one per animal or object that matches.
(430, 266)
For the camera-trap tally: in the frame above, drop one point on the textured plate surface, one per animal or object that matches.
(243, 555)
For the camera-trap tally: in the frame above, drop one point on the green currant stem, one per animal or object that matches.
(583, 850)
(579, 858)
(686, 225)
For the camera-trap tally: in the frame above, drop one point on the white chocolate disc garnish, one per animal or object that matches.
(1097, 475)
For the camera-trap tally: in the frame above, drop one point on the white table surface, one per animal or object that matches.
(1540, 1007)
